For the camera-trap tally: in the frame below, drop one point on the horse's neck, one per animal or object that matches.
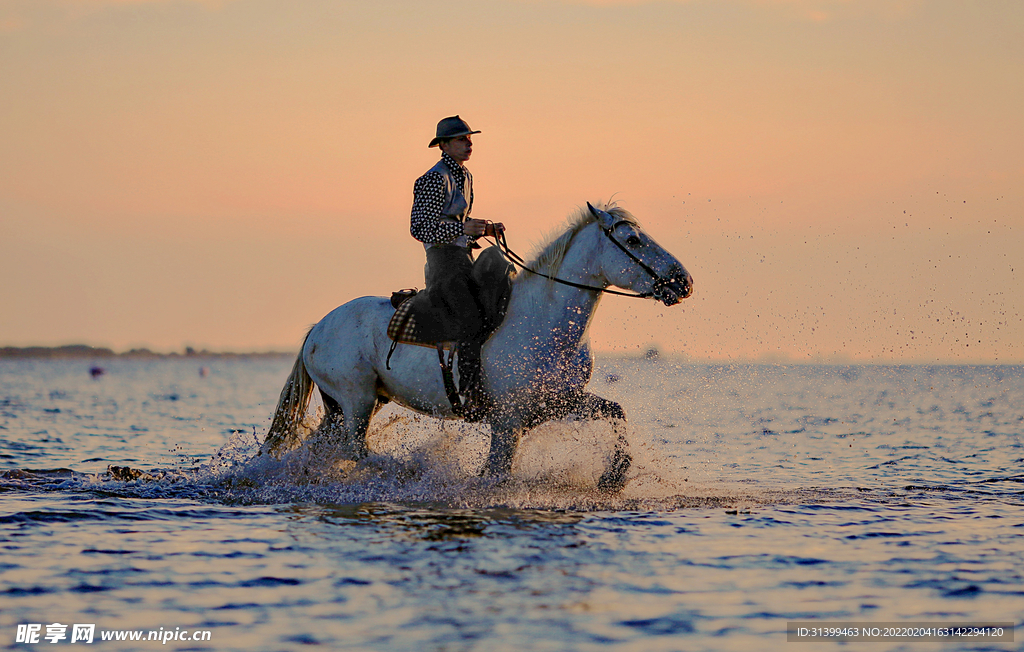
(555, 317)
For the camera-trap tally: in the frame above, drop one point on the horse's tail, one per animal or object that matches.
(291, 407)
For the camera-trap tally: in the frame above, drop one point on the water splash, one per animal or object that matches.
(419, 459)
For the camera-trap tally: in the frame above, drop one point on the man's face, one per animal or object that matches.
(460, 148)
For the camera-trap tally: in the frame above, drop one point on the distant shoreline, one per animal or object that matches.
(83, 352)
(76, 351)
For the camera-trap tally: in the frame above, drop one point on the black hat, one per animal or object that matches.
(449, 128)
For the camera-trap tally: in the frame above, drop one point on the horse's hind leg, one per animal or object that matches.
(333, 424)
(345, 422)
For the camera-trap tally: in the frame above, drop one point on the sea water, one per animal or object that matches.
(759, 496)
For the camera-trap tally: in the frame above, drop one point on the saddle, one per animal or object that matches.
(416, 320)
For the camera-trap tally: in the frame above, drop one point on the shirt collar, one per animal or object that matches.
(452, 164)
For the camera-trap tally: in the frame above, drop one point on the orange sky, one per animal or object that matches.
(843, 178)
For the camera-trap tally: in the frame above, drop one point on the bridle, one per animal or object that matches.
(659, 281)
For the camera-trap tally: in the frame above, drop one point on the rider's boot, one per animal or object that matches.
(476, 402)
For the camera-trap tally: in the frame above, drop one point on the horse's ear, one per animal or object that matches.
(604, 219)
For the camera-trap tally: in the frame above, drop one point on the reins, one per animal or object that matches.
(516, 259)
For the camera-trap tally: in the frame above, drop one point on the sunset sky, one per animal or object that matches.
(843, 178)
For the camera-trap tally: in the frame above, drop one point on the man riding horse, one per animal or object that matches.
(538, 358)
(441, 207)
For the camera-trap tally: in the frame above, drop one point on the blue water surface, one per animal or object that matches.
(759, 495)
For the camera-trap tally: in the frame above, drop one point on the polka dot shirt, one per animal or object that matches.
(428, 200)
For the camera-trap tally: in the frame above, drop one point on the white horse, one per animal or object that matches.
(535, 365)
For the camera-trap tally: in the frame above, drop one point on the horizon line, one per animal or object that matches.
(650, 353)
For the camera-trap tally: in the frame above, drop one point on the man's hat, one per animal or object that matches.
(452, 127)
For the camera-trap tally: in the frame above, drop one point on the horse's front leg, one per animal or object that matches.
(504, 441)
(509, 419)
(507, 428)
(583, 405)
(594, 408)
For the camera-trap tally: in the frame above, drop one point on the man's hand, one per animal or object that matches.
(477, 228)
(495, 229)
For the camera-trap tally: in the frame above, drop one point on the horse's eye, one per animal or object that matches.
(633, 241)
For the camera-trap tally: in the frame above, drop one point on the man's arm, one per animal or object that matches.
(428, 199)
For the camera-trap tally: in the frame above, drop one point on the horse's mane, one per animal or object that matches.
(550, 253)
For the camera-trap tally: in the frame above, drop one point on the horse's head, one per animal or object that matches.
(636, 262)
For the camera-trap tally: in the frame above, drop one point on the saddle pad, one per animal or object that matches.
(402, 327)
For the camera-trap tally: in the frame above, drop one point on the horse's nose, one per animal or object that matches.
(687, 283)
